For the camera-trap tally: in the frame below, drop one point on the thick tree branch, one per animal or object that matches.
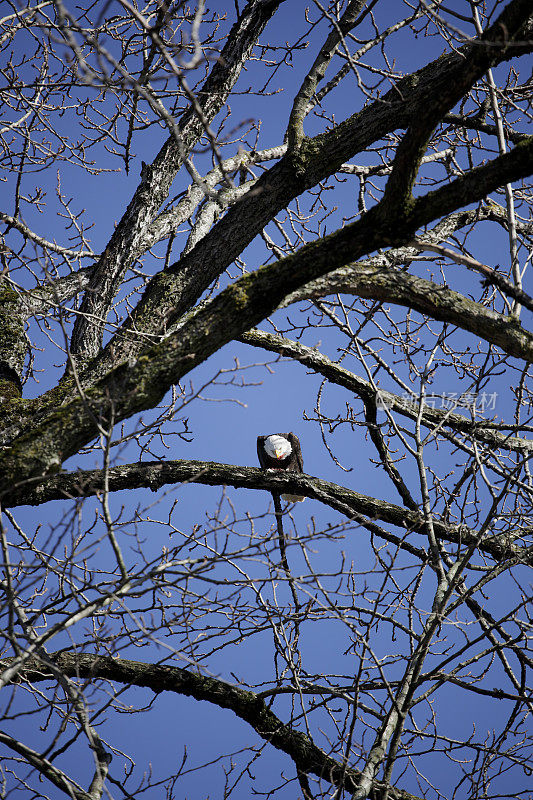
(13, 343)
(154, 475)
(436, 301)
(486, 432)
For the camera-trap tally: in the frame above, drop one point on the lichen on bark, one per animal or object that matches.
(13, 343)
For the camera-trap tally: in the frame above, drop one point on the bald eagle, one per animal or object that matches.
(281, 451)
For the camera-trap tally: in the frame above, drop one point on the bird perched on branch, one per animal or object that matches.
(281, 451)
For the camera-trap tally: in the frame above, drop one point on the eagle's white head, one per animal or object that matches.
(277, 446)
